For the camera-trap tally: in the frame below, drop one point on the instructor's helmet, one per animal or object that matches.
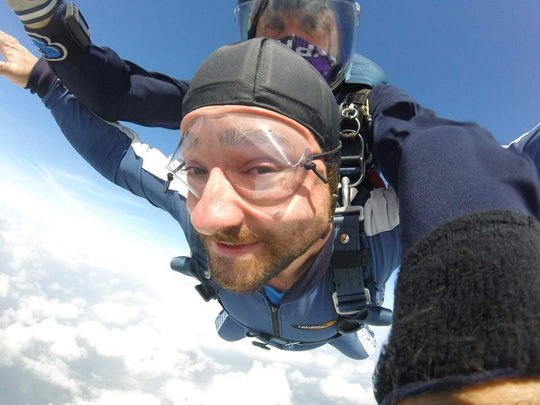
(321, 31)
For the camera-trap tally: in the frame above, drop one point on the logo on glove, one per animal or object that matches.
(51, 51)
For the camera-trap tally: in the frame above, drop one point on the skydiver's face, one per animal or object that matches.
(249, 244)
(317, 27)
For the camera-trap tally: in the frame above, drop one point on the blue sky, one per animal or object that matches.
(85, 261)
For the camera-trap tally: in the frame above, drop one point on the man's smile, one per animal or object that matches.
(233, 250)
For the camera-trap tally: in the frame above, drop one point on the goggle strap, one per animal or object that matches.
(170, 177)
(309, 165)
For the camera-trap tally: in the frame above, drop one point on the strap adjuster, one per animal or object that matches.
(350, 305)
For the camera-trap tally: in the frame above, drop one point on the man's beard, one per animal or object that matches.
(250, 273)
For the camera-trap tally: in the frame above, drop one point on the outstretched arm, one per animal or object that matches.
(465, 325)
(119, 90)
(113, 88)
(114, 151)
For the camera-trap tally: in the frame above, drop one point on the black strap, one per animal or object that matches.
(355, 133)
(353, 278)
(349, 261)
(265, 339)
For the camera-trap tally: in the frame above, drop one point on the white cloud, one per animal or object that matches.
(179, 392)
(54, 371)
(115, 397)
(64, 180)
(4, 285)
(338, 387)
(268, 385)
(44, 308)
(115, 312)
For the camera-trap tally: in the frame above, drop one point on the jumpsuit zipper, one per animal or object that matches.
(275, 324)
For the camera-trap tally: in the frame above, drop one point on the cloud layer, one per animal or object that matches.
(79, 334)
(93, 315)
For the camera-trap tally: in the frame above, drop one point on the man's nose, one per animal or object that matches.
(218, 207)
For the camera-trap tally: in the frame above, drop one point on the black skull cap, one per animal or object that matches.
(264, 73)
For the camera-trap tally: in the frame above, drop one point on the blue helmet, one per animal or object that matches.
(322, 31)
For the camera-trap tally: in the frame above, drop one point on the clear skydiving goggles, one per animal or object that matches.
(264, 159)
(322, 31)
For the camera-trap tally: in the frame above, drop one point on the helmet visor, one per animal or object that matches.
(262, 158)
(327, 26)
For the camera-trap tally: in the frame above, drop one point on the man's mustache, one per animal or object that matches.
(236, 236)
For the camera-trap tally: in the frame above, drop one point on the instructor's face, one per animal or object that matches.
(319, 28)
(248, 244)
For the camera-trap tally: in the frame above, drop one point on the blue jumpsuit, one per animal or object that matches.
(306, 317)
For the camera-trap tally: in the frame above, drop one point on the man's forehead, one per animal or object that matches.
(232, 124)
(229, 134)
(295, 13)
(300, 5)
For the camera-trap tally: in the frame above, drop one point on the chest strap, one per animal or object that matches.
(352, 275)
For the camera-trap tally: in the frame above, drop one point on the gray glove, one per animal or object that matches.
(33, 12)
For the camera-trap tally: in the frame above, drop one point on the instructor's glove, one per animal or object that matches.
(56, 28)
(34, 13)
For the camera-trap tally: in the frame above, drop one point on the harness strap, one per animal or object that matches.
(348, 262)
(352, 273)
(351, 298)
(355, 126)
(352, 277)
(266, 339)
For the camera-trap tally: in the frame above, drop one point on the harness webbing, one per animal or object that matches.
(352, 271)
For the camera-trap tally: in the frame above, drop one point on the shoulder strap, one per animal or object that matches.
(350, 262)
(356, 156)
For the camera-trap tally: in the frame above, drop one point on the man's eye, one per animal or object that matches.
(260, 170)
(264, 170)
(274, 25)
(196, 171)
(312, 23)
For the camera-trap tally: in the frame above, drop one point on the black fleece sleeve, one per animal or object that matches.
(467, 297)
(442, 169)
(41, 78)
(119, 90)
